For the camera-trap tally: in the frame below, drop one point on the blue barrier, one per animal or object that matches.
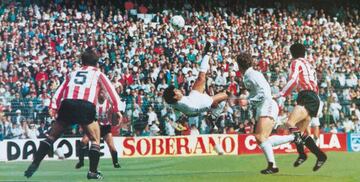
(353, 142)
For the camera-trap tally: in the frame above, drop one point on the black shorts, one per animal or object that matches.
(310, 100)
(73, 111)
(104, 130)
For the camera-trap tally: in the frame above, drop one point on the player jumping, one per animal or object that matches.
(102, 110)
(75, 102)
(303, 75)
(197, 101)
(266, 110)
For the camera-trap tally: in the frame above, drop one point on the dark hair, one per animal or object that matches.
(244, 61)
(297, 50)
(169, 95)
(89, 57)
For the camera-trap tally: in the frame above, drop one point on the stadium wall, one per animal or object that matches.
(176, 146)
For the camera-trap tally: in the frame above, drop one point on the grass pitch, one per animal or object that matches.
(340, 167)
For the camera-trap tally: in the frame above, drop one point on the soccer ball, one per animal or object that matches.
(60, 153)
(177, 22)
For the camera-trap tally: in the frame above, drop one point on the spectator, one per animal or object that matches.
(334, 108)
(2, 130)
(152, 117)
(154, 129)
(18, 118)
(15, 132)
(42, 130)
(138, 55)
(169, 127)
(333, 129)
(194, 131)
(32, 132)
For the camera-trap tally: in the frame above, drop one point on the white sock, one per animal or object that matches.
(268, 151)
(204, 66)
(219, 149)
(278, 140)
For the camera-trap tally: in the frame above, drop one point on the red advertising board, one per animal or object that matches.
(179, 145)
(327, 142)
(170, 146)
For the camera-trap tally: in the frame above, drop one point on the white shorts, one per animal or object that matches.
(200, 100)
(314, 122)
(267, 108)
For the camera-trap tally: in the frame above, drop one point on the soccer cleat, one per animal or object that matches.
(59, 152)
(117, 165)
(31, 170)
(301, 159)
(97, 175)
(320, 162)
(79, 165)
(270, 169)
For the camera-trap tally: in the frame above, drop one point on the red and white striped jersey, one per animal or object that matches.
(302, 76)
(102, 112)
(86, 84)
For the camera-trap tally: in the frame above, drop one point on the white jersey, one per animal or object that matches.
(257, 85)
(260, 94)
(193, 104)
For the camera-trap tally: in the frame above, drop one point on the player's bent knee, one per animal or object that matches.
(85, 140)
(260, 138)
(94, 138)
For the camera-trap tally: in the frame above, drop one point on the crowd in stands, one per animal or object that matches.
(40, 42)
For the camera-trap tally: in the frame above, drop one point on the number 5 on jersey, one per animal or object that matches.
(80, 77)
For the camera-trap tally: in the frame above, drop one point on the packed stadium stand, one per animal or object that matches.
(40, 42)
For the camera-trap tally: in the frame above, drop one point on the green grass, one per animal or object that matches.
(340, 167)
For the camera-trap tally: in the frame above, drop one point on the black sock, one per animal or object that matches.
(43, 150)
(300, 150)
(310, 144)
(114, 156)
(82, 149)
(94, 156)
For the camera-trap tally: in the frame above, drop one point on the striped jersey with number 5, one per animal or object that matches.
(86, 84)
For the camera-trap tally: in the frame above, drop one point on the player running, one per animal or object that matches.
(102, 109)
(303, 76)
(266, 110)
(75, 102)
(197, 101)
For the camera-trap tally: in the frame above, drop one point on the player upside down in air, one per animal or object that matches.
(105, 121)
(303, 76)
(75, 102)
(197, 101)
(267, 110)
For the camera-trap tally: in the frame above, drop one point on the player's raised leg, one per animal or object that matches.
(83, 146)
(200, 82)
